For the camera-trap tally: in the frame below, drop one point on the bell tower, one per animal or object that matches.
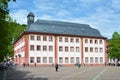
(30, 19)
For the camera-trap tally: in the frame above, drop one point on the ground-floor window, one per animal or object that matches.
(44, 59)
(77, 59)
(86, 59)
(66, 60)
(50, 59)
(38, 59)
(101, 59)
(91, 59)
(60, 60)
(72, 60)
(96, 59)
(31, 59)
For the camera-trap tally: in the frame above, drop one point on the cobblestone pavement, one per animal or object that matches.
(64, 73)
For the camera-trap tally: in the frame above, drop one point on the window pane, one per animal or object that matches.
(77, 49)
(31, 37)
(101, 42)
(71, 39)
(66, 60)
(86, 59)
(71, 49)
(60, 60)
(50, 38)
(101, 59)
(50, 59)
(86, 40)
(44, 48)
(96, 59)
(38, 47)
(60, 48)
(77, 40)
(66, 39)
(50, 48)
(77, 59)
(44, 59)
(31, 59)
(38, 59)
(96, 49)
(91, 59)
(32, 47)
(44, 38)
(91, 49)
(66, 49)
(72, 60)
(38, 38)
(86, 49)
(60, 39)
(101, 50)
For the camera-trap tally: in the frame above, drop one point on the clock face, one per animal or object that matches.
(31, 18)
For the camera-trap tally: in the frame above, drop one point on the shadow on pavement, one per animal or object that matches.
(14, 74)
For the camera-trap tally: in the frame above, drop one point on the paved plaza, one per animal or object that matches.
(64, 73)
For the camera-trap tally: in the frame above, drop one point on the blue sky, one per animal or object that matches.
(103, 15)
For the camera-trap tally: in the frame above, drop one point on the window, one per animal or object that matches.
(44, 38)
(32, 47)
(91, 59)
(66, 39)
(60, 39)
(50, 38)
(86, 40)
(101, 59)
(38, 38)
(66, 49)
(44, 59)
(96, 49)
(50, 48)
(66, 60)
(31, 37)
(86, 49)
(38, 59)
(101, 50)
(60, 60)
(38, 47)
(91, 41)
(60, 48)
(91, 49)
(31, 59)
(44, 48)
(96, 41)
(101, 42)
(77, 40)
(71, 39)
(77, 59)
(96, 59)
(50, 59)
(86, 59)
(77, 49)
(72, 60)
(71, 49)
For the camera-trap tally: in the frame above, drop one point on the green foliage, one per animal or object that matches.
(114, 47)
(8, 30)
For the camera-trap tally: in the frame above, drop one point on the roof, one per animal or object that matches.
(65, 28)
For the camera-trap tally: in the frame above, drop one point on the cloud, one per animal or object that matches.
(20, 16)
(116, 4)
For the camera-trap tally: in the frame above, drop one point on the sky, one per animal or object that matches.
(103, 15)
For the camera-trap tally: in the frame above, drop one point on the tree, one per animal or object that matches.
(4, 30)
(114, 46)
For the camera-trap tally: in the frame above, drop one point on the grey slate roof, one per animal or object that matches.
(65, 28)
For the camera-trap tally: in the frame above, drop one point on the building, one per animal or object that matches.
(47, 42)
